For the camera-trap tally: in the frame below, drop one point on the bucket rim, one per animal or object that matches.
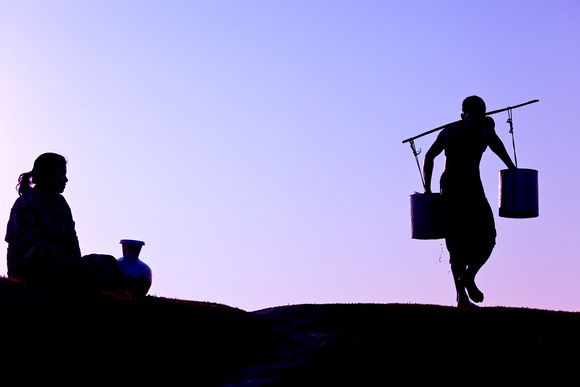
(519, 169)
(425, 193)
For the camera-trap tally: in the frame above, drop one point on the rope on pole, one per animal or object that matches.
(510, 121)
(416, 153)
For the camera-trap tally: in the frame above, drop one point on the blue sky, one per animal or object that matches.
(256, 146)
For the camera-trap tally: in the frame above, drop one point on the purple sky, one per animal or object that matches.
(255, 146)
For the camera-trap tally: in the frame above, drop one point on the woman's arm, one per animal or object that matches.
(21, 230)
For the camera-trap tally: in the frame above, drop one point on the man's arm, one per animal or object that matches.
(497, 147)
(437, 147)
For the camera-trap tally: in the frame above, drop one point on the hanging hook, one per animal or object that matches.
(416, 153)
(510, 121)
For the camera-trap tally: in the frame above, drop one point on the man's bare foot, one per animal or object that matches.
(466, 304)
(468, 282)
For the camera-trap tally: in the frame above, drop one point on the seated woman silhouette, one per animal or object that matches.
(470, 229)
(43, 247)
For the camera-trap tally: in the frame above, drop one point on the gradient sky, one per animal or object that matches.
(256, 146)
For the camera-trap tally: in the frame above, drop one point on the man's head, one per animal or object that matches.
(472, 107)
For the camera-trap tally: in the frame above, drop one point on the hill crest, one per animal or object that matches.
(213, 344)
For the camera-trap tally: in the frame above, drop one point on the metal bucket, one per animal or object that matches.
(427, 216)
(518, 193)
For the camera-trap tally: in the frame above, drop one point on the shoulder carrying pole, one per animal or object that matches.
(411, 140)
(454, 122)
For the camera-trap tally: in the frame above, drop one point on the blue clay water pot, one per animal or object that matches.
(136, 272)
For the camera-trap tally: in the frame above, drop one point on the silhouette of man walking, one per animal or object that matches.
(469, 225)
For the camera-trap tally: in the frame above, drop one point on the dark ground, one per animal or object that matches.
(51, 335)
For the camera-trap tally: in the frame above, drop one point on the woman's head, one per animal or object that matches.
(48, 173)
